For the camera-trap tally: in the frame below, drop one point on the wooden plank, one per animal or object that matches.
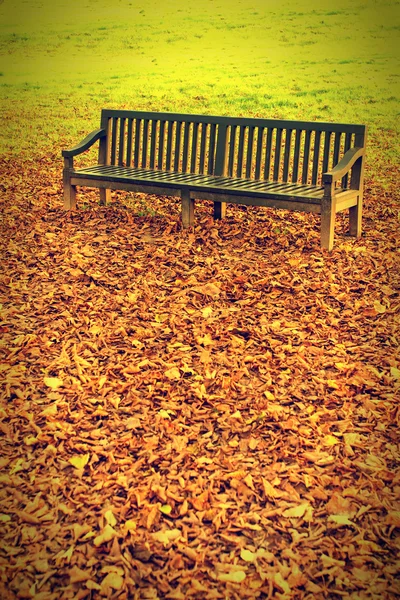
(211, 148)
(232, 144)
(142, 186)
(114, 135)
(153, 138)
(177, 151)
(296, 158)
(347, 146)
(161, 144)
(286, 159)
(317, 147)
(145, 142)
(336, 148)
(239, 166)
(170, 135)
(268, 151)
(194, 152)
(138, 125)
(250, 149)
(327, 151)
(221, 153)
(260, 136)
(277, 159)
(129, 143)
(328, 212)
(187, 209)
(203, 141)
(185, 155)
(306, 156)
(273, 201)
(121, 142)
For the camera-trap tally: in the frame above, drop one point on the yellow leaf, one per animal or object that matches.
(165, 414)
(107, 535)
(296, 511)
(79, 462)
(30, 440)
(173, 373)
(395, 372)
(95, 329)
(166, 509)
(207, 312)
(4, 518)
(340, 365)
(281, 584)
(234, 576)
(340, 520)
(50, 411)
(206, 340)
(380, 309)
(237, 415)
(167, 536)
(330, 440)
(332, 384)
(109, 516)
(53, 382)
(102, 381)
(130, 525)
(246, 555)
(249, 481)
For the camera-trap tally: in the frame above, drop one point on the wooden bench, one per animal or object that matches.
(296, 165)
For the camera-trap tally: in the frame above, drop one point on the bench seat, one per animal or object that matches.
(295, 165)
(214, 184)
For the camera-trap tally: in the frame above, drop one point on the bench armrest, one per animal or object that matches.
(85, 144)
(343, 165)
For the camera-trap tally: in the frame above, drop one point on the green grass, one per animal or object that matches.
(247, 57)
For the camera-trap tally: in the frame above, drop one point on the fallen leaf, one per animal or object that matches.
(79, 462)
(53, 382)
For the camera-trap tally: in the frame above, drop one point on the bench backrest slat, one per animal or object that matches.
(316, 152)
(129, 143)
(260, 149)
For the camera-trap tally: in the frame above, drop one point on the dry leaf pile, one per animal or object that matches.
(203, 414)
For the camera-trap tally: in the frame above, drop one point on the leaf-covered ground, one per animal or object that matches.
(198, 414)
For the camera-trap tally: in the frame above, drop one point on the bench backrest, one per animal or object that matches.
(287, 151)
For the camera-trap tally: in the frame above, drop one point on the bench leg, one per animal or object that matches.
(355, 216)
(219, 210)
(187, 209)
(105, 196)
(328, 214)
(69, 196)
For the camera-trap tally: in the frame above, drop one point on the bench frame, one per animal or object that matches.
(216, 181)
